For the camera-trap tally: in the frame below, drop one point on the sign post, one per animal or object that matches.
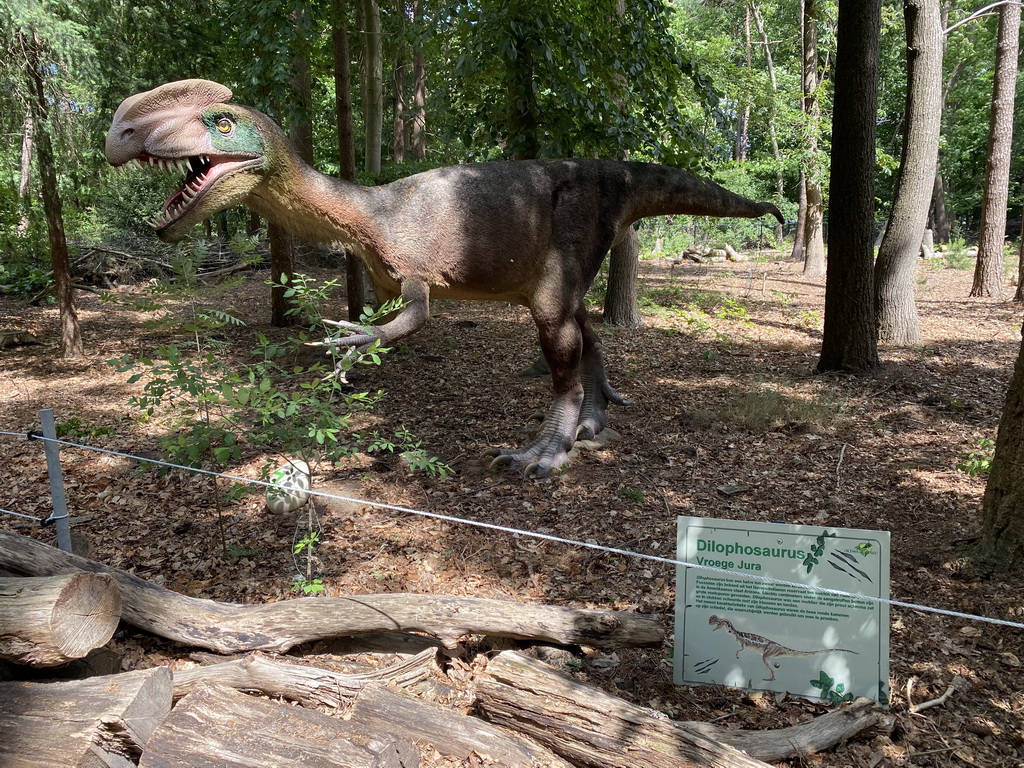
(736, 625)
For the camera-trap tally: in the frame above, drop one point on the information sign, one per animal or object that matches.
(734, 628)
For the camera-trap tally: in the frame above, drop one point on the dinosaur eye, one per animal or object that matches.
(224, 126)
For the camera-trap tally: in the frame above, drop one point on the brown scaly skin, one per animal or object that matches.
(528, 232)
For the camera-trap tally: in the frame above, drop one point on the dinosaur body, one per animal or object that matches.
(769, 649)
(528, 232)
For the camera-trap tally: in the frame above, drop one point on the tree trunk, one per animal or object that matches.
(397, 110)
(419, 104)
(801, 216)
(25, 178)
(355, 273)
(231, 628)
(51, 620)
(70, 331)
(1002, 538)
(281, 265)
(848, 342)
(988, 272)
(373, 94)
(814, 237)
(780, 180)
(620, 302)
(896, 266)
(743, 115)
(940, 216)
(1019, 293)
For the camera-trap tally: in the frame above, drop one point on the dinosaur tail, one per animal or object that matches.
(660, 190)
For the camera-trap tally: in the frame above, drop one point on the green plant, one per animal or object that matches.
(978, 462)
(837, 695)
(308, 586)
(632, 494)
(414, 455)
(78, 427)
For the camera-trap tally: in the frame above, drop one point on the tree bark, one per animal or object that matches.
(71, 344)
(988, 272)
(231, 628)
(896, 266)
(620, 302)
(1002, 540)
(51, 620)
(814, 236)
(593, 728)
(849, 341)
(103, 721)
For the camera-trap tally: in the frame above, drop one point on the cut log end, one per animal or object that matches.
(47, 621)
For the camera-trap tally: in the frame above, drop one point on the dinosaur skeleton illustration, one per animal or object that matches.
(769, 649)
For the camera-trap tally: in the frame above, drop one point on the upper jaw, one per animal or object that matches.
(203, 172)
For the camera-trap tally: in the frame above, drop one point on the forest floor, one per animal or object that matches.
(723, 393)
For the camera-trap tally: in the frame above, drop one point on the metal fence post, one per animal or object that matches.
(60, 503)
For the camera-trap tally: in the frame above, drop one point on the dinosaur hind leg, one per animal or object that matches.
(770, 670)
(597, 391)
(561, 339)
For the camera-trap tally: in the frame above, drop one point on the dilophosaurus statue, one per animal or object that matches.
(527, 232)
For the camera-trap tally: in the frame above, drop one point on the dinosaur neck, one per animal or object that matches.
(316, 207)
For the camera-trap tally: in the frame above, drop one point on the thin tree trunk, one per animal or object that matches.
(780, 180)
(25, 179)
(895, 269)
(940, 217)
(397, 110)
(988, 273)
(814, 238)
(798, 236)
(373, 95)
(70, 331)
(419, 103)
(743, 116)
(848, 342)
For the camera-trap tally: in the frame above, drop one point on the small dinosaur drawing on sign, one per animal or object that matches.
(769, 649)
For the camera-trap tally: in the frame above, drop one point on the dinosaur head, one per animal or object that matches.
(223, 150)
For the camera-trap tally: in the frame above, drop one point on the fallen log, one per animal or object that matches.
(303, 683)
(377, 709)
(217, 727)
(369, 705)
(51, 620)
(593, 728)
(102, 721)
(233, 628)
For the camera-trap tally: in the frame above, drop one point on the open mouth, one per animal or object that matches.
(201, 173)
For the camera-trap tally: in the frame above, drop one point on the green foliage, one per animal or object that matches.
(978, 463)
(277, 402)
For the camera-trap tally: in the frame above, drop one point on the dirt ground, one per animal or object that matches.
(722, 391)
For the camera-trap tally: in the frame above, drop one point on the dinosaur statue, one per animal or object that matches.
(528, 232)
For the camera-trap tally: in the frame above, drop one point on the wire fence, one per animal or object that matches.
(59, 516)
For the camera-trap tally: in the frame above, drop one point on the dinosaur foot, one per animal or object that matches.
(539, 459)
